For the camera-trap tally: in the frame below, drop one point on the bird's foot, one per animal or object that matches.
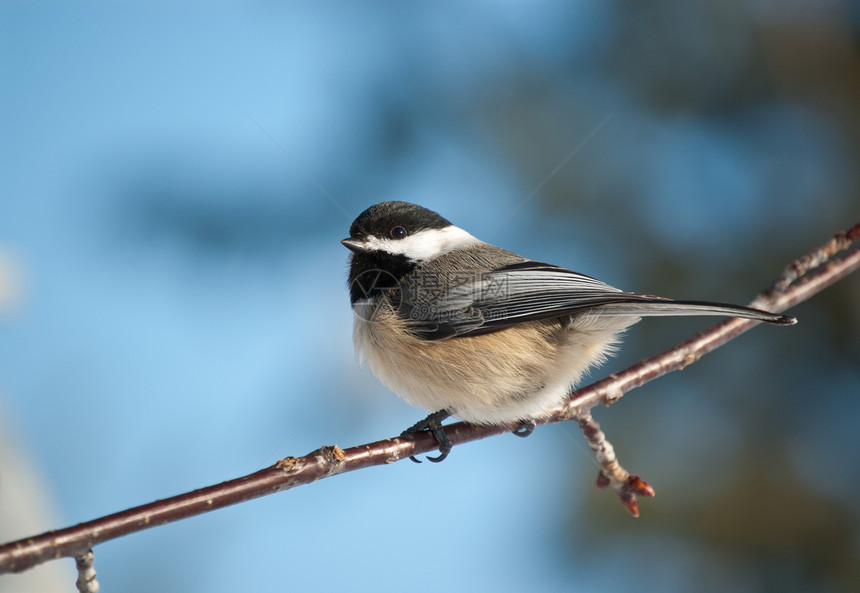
(432, 424)
(525, 428)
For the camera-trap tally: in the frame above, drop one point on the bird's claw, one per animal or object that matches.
(432, 424)
(524, 429)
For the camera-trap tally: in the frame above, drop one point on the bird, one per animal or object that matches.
(466, 329)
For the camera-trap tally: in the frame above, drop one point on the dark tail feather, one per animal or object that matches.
(658, 307)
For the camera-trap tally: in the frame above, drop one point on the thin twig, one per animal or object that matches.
(86, 582)
(812, 275)
(611, 473)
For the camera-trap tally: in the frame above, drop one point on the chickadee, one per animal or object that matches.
(453, 324)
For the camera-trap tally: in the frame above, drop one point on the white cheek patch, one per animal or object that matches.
(425, 245)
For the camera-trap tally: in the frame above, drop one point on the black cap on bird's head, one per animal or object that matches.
(391, 220)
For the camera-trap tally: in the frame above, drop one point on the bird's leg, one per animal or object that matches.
(525, 428)
(433, 424)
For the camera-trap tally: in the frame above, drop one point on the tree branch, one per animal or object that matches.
(801, 280)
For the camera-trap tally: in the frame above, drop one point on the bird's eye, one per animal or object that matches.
(398, 232)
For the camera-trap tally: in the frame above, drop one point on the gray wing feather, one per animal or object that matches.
(531, 291)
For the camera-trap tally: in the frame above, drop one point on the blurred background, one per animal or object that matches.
(173, 310)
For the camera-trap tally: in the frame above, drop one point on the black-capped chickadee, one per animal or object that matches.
(460, 327)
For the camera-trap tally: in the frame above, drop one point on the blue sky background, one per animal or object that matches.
(174, 310)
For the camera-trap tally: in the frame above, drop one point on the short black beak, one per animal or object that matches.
(354, 245)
